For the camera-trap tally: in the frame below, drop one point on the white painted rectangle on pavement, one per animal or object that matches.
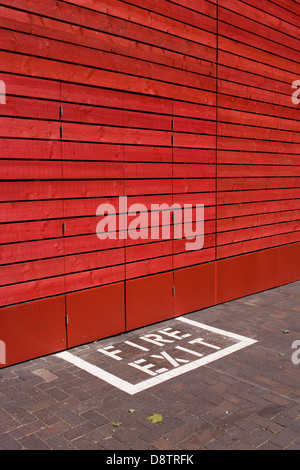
(161, 355)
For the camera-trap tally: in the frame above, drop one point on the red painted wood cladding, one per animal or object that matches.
(258, 130)
(183, 102)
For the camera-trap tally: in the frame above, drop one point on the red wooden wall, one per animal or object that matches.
(182, 101)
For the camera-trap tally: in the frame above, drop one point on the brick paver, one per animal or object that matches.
(247, 400)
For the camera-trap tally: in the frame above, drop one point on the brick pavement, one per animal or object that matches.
(249, 399)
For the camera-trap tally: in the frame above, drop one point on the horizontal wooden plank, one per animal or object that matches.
(193, 110)
(27, 231)
(143, 153)
(237, 222)
(194, 155)
(190, 258)
(88, 95)
(251, 119)
(39, 249)
(141, 187)
(11, 148)
(55, 70)
(153, 20)
(148, 267)
(86, 151)
(205, 7)
(30, 170)
(106, 134)
(257, 232)
(258, 107)
(237, 210)
(252, 145)
(289, 7)
(140, 252)
(31, 108)
(50, 287)
(233, 63)
(164, 249)
(89, 23)
(97, 38)
(257, 55)
(256, 170)
(77, 245)
(232, 197)
(115, 117)
(255, 21)
(238, 33)
(194, 185)
(21, 43)
(31, 211)
(95, 260)
(206, 199)
(147, 170)
(256, 245)
(241, 184)
(255, 158)
(280, 12)
(31, 270)
(198, 126)
(41, 190)
(255, 95)
(33, 190)
(94, 278)
(179, 13)
(193, 170)
(32, 290)
(45, 170)
(29, 129)
(30, 87)
(94, 170)
(168, 263)
(203, 141)
(255, 12)
(256, 133)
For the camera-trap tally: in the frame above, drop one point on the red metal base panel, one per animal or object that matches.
(194, 288)
(33, 329)
(95, 314)
(255, 272)
(149, 300)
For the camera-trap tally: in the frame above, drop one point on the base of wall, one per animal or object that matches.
(33, 329)
(38, 328)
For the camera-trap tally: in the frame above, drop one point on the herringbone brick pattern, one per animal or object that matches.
(247, 400)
